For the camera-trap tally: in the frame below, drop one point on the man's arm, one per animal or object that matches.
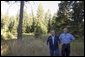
(47, 40)
(60, 39)
(72, 37)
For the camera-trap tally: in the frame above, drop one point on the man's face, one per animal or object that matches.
(52, 32)
(65, 30)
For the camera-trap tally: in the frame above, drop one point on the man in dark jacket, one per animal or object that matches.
(53, 42)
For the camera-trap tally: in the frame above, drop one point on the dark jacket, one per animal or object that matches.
(51, 45)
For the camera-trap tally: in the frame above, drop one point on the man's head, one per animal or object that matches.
(52, 32)
(65, 29)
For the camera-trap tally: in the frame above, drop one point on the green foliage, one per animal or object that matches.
(6, 35)
(7, 27)
(11, 25)
(28, 28)
(37, 31)
(41, 26)
(70, 13)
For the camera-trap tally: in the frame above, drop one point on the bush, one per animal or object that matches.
(6, 35)
(5, 49)
(37, 32)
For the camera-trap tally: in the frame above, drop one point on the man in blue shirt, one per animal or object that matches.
(53, 42)
(65, 39)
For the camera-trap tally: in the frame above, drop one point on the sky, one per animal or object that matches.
(13, 8)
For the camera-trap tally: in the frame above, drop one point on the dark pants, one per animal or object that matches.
(65, 49)
(54, 52)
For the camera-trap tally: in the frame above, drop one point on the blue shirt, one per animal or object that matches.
(66, 38)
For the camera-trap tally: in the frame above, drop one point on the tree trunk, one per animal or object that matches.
(19, 29)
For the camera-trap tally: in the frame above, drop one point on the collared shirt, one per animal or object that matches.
(53, 39)
(66, 38)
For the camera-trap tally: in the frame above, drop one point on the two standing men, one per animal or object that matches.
(65, 39)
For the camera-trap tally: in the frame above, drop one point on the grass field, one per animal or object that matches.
(30, 46)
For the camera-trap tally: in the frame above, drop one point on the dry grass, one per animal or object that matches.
(77, 48)
(30, 46)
